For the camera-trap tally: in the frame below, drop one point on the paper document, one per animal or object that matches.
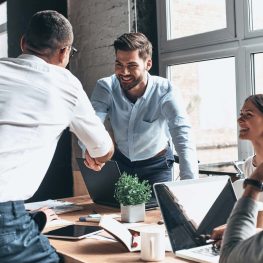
(123, 232)
(120, 232)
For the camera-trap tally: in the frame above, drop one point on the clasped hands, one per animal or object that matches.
(93, 163)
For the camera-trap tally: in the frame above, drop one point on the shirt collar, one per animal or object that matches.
(149, 86)
(32, 58)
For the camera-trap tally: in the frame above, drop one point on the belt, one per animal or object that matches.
(162, 152)
(119, 153)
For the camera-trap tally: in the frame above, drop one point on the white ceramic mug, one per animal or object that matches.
(153, 244)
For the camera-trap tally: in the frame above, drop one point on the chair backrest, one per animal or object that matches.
(239, 167)
(238, 187)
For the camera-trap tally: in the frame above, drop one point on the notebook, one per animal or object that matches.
(101, 184)
(193, 208)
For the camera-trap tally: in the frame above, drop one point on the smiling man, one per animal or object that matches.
(144, 111)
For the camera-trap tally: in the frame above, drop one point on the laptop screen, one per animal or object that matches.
(194, 207)
(101, 184)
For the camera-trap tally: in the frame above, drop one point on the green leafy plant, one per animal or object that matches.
(130, 191)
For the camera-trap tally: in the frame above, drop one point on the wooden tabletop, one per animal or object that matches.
(92, 250)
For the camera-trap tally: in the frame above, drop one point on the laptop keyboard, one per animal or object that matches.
(207, 251)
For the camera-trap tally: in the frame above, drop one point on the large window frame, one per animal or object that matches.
(237, 41)
(221, 35)
(248, 32)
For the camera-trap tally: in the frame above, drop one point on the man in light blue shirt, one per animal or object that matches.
(144, 112)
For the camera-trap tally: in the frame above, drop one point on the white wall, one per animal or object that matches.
(96, 24)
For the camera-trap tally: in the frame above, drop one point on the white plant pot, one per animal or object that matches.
(133, 213)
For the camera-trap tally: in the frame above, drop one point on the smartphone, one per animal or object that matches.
(73, 232)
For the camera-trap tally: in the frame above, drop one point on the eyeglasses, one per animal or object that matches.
(72, 51)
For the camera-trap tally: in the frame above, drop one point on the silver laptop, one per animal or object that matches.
(101, 184)
(191, 209)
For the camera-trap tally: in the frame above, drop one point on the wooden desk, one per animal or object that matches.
(94, 251)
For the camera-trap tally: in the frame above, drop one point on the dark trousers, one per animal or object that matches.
(156, 169)
(20, 239)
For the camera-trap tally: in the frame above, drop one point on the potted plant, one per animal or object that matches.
(132, 196)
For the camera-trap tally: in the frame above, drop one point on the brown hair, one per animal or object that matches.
(257, 100)
(134, 41)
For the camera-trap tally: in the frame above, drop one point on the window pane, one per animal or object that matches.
(3, 41)
(256, 18)
(258, 66)
(3, 16)
(208, 89)
(191, 17)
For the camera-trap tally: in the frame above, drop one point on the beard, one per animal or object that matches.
(130, 85)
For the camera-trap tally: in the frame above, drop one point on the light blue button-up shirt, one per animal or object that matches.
(142, 129)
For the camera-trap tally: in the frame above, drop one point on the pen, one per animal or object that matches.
(90, 218)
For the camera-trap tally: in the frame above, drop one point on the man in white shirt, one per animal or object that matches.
(39, 98)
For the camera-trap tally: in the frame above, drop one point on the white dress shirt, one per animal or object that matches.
(37, 102)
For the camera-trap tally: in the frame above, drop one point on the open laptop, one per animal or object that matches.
(191, 209)
(101, 184)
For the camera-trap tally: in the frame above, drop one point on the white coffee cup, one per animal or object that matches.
(153, 244)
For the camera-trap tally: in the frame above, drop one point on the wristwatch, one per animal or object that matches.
(256, 183)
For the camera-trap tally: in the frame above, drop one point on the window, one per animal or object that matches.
(198, 13)
(191, 23)
(212, 51)
(255, 13)
(204, 86)
(3, 30)
(258, 66)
